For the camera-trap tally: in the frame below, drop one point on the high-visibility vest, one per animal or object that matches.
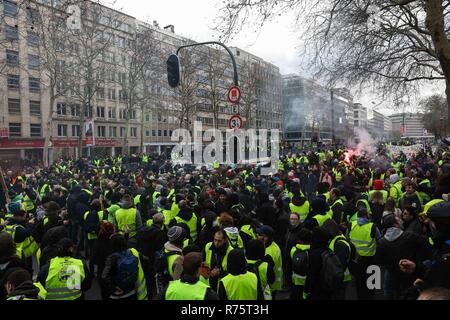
(208, 256)
(343, 239)
(337, 175)
(126, 217)
(365, 245)
(171, 257)
(429, 204)
(178, 290)
(326, 195)
(241, 287)
(192, 224)
(44, 189)
(321, 218)
(248, 229)
(262, 276)
(297, 279)
(280, 166)
(145, 158)
(425, 197)
(216, 164)
(155, 196)
(395, 191)
(383, 192)
(25, 248)
(302, 210)
(274, 251)
(141, 285)
(101, 217)
(28, 204)
(64, 279)
(137, 199)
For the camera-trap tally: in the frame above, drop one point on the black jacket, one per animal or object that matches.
(25, 290)
(267, 214)
(6, 264)
(313, 276)
(403, 245)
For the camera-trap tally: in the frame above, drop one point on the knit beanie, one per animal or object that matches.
(175, 233)
(378, 185)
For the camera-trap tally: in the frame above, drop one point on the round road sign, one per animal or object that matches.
(234, 95)
(235, 122)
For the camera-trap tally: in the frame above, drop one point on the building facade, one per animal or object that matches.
(408, 125)
(36, 111)
(314, 113)
(360, 116)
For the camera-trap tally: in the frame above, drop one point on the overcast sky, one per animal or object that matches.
(277, 42)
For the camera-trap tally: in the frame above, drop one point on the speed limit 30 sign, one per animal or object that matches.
(235, 122)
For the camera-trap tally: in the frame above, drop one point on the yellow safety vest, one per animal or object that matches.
(126, 217)
(302, 210)
(178, 290)
(64, 279)
(241, 287)
(297, 279)
(365, 245)
(274, 251)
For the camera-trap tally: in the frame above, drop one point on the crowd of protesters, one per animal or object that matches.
(145, 228)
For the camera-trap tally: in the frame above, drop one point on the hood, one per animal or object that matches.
(378, 185)
(185, 214)
(170, 247)
(393, 234)
(27, 289)
(394, 178)
(126, 204)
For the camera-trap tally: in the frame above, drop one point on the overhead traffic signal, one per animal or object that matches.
(173, 71)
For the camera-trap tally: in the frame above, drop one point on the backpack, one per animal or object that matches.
(332, 273)
(162, 274)
(127, 270)
(300, 262)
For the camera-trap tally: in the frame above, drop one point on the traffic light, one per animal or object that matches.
(173, 71)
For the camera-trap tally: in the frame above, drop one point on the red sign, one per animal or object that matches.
(3, 132)
(21, 143)
(234, 95)
(74, 143)
(235, 122)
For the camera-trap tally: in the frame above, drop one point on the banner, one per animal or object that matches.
(89, 133)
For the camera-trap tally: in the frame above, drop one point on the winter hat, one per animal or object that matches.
(237, 264)
(394, 178)
(255, 250)
(176, 233)
(319, 206)
(378, 185)
(266, 231)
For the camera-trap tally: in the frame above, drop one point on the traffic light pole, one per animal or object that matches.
(236, 77)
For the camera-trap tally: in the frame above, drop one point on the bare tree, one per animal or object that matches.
(190, 82)
(392, 45)
(251, 84)
(214, 86)
(50, 23)
(92, 56)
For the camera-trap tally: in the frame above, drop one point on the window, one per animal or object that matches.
(75, 130)
(122, 78)
(133, 114)
(165, 133)
(32, 15)
(147, 133)
(61, 109)
(35, 108)
(75, 90)
(147, 117)
(61, 88)
(101, 131)
(35, 84)
(12, 33)
(100, 93)
(15, 130)
(122, 95)
(75, 110)
(33, 39)
(35, 130)
(112, 132)
(133, 132)
(14, 106)
(122, 132)
(12, 57)
(112, 113)
(62, 130)
(153, 133)
(33, 62)
(13, 81)
(9, 8)
(122, 114)
(101, 112)
(112, 94)
(60, 66)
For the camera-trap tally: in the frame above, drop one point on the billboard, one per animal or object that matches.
(89, 132)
